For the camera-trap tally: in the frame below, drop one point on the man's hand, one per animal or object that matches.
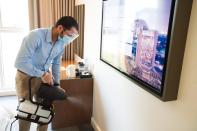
(47, 78)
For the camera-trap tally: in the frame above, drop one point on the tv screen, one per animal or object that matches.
(136, 37)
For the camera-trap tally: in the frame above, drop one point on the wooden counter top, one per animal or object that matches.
(77, 108)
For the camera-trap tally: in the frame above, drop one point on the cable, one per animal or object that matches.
(12, 124)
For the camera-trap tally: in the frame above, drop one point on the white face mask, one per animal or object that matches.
(68, 39)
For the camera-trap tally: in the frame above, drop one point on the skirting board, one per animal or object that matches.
(8, 93)
(95, 125)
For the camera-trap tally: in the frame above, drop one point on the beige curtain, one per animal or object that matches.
(44, 13)
(79, 43)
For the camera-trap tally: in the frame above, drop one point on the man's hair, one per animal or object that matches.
(67, 22)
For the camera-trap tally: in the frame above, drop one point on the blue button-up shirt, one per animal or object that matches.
(37, 54)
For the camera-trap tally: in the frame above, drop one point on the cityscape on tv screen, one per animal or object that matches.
(135, 38)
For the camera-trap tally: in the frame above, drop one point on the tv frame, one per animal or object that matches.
(177, 35)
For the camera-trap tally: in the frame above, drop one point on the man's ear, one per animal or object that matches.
(60, 28)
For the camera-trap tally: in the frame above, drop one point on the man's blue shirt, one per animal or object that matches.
(37, 54)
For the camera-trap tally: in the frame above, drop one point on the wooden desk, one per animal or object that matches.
(77, 109)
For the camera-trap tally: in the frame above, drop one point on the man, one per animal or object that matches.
(40, 56)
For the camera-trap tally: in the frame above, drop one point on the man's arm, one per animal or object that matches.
(23, 60)
(56, 67)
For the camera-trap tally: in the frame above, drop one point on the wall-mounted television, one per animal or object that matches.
(145, 40)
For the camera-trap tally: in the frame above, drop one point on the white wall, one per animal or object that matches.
(120, 105)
